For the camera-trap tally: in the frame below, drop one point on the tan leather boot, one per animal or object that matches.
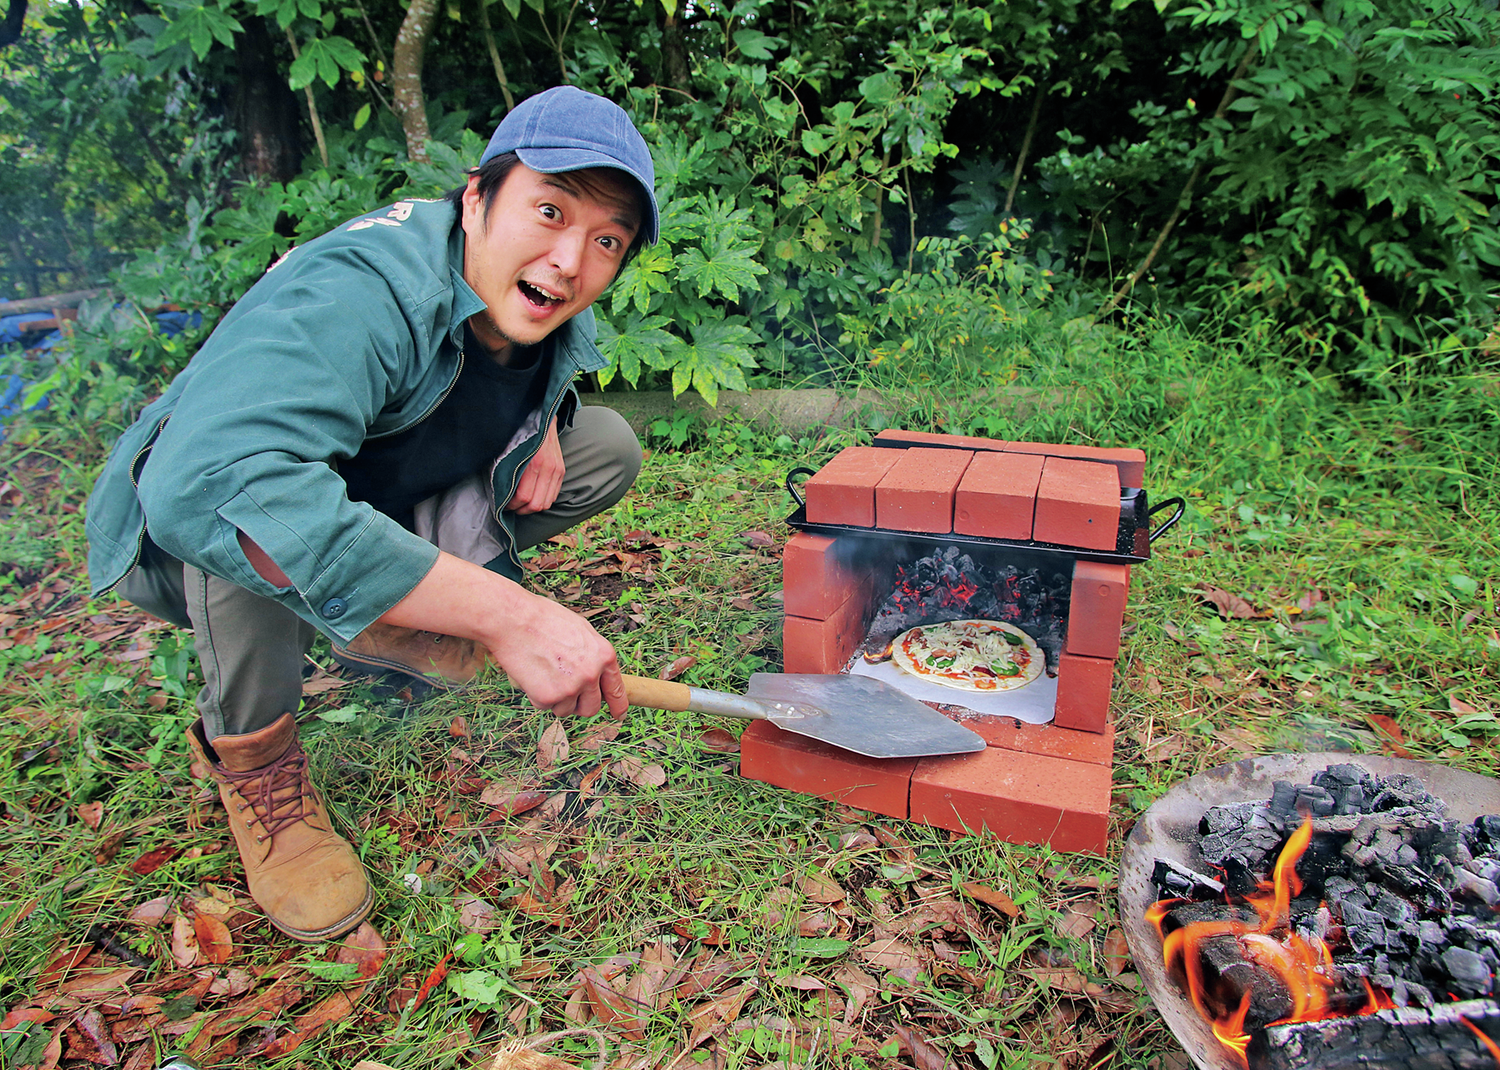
(424, 659)
(305, 876)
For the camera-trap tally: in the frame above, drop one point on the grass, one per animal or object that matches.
(1361, 531)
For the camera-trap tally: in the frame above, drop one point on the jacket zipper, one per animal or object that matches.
(462, 355)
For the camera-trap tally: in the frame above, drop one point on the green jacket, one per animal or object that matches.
(354, 335)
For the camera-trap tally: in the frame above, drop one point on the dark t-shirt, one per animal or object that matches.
(461, 437)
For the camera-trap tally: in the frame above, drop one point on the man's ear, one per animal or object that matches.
(473, 207)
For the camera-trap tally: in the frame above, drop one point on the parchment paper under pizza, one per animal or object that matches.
(984, 656)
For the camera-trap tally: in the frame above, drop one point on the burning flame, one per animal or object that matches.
(1303, 964)
(1483, 1038)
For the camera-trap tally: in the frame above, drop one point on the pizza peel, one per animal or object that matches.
(855, 713)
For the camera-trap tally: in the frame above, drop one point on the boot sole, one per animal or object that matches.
(328, 932)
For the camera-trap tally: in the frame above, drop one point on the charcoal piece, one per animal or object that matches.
(1401, 790)
(1228, 976)
(1430, 934)
(1408, 1038)
(1284, 800)
(1485, 834)
(1476, 889)
(1178, 882)
(1339, 890)
(1180, 914)
(1315, 801)
(1364, 929)
(1469, 973)
(1394, 909)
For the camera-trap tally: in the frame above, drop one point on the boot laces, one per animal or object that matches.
(278, 792)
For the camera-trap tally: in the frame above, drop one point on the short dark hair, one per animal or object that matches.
(493, 172)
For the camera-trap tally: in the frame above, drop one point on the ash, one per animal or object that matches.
(1404, 895)
(949, 584)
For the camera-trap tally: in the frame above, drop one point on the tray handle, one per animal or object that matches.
(791, 488)
(1171, 521)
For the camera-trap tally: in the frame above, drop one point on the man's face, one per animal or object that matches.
(548, 246)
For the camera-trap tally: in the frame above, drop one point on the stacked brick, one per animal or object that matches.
(1032, 783)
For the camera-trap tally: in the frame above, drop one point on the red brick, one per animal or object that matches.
(1077, 504)
(1008, 733)
(928, 438)
(823, 645)
(1130, 463)
(843, 490)
(1083, 686)
(819, 574)
(788, 760)
(917, 493)
(1018, 797)
(997, 496)
(1096, 608)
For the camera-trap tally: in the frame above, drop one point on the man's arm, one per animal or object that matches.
(551, 653)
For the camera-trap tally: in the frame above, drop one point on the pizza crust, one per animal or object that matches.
(984, 656)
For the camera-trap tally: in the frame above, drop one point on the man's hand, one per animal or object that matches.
(549, 652)
(543, 477)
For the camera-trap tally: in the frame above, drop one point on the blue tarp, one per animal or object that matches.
(14, 331)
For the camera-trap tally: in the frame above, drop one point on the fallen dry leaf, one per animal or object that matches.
(1077, 921)
(639, 773)
(232, 982)
(720, 741)
(61, 963)
(511, 797)
(599, 736)
(552, 748)
(184, 942)
(515, 1055)
(1392, 738)
(923, 1054)
(678, 667)
(364, 948)
(890, 955)
(92, 814)
(1230, 606)
(991, 897)
(711, 1018)
(610, 1006)
(312, 1022)
(458, 728)
(475, 915)
(1116, 952)
(757, 539)
(151, 861)
(1188, 642)
(1067, 980)
(1459, 706)
(214, 942)
(802, 983)
(93, 1042)
(821, 888)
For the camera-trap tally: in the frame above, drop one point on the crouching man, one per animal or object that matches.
(361, 448)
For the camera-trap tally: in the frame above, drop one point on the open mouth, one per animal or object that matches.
(538, 296)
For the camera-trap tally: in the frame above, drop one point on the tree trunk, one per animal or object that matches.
(15, 18)
(489, 41)
(264, 107)
(406, 80)
(674, 55)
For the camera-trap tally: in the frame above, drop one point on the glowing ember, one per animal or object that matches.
(1303, 964)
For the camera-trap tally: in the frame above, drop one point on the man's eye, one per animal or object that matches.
(610, 243)
(550, 211)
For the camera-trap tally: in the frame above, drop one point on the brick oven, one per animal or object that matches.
(1048, 534)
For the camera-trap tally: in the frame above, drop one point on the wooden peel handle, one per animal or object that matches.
(657, 694)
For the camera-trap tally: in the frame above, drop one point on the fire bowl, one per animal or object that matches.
(1169, 830)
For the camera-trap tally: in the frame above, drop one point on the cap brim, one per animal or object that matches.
(556, 161)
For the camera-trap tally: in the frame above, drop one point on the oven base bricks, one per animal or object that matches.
(819, 574)
(1083, 686)
(843, 490)
(1049, 740)
(787, 760)
(823, 646)
(1097, 608)
(917, 493)
(1077, 504)
(1017, 797)
(997, 496)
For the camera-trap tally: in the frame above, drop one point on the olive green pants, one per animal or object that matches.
(252, 649)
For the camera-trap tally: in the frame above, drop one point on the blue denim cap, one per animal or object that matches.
(566, 129)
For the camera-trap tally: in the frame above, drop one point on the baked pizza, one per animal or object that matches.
(970, 655)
